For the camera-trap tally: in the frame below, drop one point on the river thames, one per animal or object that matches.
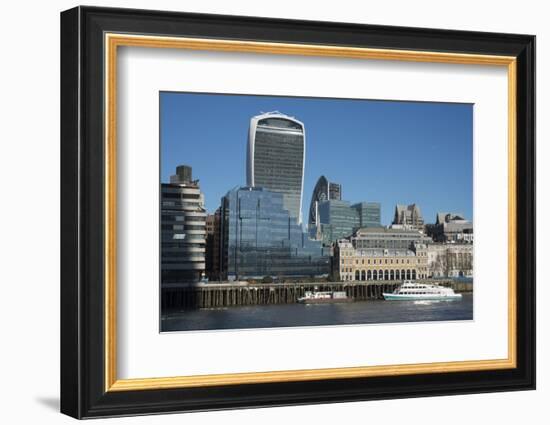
(287, 315)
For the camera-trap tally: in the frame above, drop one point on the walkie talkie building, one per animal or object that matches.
(275, 158)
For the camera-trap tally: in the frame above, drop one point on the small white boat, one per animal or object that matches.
(410, 290)
(324, 297)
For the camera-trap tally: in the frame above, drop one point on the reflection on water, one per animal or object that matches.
(285, 315)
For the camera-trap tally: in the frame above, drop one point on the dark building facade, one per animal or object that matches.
(260, 238)
(182, 229)
(213, 229)
(275, 158)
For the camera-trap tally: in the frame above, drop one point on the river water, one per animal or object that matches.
(285, 315)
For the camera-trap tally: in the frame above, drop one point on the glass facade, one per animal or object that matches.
(368, 213)
(260, 238)
(320, 193)
(276, 158)
(338, 220)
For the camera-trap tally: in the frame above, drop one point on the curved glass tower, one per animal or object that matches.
(320, 193)
(275, 158)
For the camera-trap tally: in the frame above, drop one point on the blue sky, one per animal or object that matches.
(382, 151)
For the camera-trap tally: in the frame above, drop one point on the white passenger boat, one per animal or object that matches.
(410, 290)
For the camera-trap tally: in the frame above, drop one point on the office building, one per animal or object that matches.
(213, 229)
(408, 217)
(337, 220)
(451, 227)
(275, 158)
(259, 238)
(183, 236)
(323, 191)
(368, 214)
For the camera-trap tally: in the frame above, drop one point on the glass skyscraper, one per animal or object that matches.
(337, 219)
(275, 158)
(369, 214)
(259, 238)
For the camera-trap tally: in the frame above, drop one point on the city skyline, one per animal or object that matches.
(379, 151)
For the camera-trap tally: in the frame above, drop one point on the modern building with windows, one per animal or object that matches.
(183, 235)
(408, 217)
(338, 219)
(335, 191)
(368, 214)
(276, 156)
(259, 238)
(323, 191)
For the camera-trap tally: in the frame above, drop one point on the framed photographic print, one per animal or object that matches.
(261, 212)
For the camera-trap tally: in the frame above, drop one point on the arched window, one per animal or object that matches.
(408, 274)
(403, 275)
(386, 275)
(357, 275)
(392, 275)
(363, 275)
(414, 274)
(369, 275)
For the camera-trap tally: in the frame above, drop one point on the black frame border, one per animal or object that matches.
(82, 205)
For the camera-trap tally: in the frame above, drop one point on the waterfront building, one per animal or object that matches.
(450, 260)
(260, 238)
(383, 238)
(275, 158)
(183, 234)
(451, 227)
(408, 217)
(373, 264)
(213, 245)
(368, 214)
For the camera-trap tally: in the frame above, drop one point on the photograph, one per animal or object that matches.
(279, 211)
